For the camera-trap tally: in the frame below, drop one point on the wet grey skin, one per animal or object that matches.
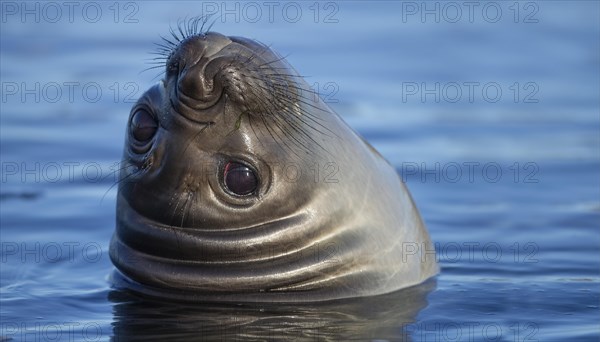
(238, 183)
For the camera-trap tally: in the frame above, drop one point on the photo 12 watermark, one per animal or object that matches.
(49, 252)
(16, 172)
(451, 12)
(450, 331)
(470, 172)
(272, 11)
(80, 12)
(470, 252)
(52, 331)
(69, 92)
(470, 92)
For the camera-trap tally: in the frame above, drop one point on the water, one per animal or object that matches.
(508, 183)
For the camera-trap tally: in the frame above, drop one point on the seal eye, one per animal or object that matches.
(239, 179)
(143, 125)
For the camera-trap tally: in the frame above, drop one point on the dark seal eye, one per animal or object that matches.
(143, 125)
(239, 179)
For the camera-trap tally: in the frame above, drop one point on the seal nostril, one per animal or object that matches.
(190, 82)
(172, 67)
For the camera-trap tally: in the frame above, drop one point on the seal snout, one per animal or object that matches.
(191, 83)
(206, 67)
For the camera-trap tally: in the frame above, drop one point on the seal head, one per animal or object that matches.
(239, 184)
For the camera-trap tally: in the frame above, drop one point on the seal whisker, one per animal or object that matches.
(157, 60)
(175, 194)
(287, 126)
(193, 211)
(285, 97)
(168, 47)
(275, 68)
(264, 49)
(289, 103)
(281, 58)
(272, 133)
(185, 208)
(192, 26)
(169, 44)
(164, 53)
(256, 135)
(211, 24)
(180, 25)
(205, 19)
(276, 137)
(175, 36)
(189, 27)
(314, 119)
(297, 132)
(301, 90)
(290, 121)
(194, 137)
(154, 67)
(137, 171)
(151, 67)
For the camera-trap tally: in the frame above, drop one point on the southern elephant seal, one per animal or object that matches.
(238, 184)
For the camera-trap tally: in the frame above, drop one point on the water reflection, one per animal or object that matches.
(370, 318)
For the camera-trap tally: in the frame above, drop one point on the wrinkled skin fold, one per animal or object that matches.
(329, 218)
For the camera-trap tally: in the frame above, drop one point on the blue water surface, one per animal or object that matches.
(492, 117)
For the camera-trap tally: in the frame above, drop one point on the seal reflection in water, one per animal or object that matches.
(238, 184)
